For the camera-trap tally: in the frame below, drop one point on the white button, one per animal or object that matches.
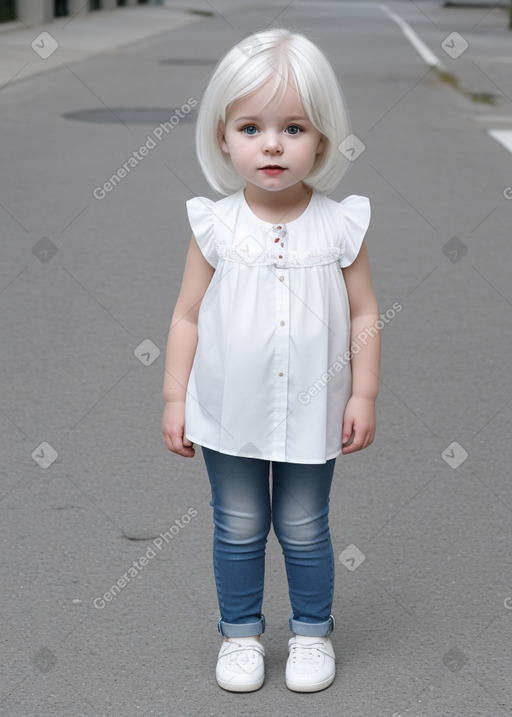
(281, 278)
(281, 374)
(282, 323)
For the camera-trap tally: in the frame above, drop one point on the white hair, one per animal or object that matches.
(291, 59)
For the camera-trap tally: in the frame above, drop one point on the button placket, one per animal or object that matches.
(282, 345)
(280, 234)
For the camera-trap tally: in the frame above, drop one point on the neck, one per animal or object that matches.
(282, 206)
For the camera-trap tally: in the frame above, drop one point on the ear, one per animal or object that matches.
(321, 145)
(221, 138)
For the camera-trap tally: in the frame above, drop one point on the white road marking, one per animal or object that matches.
(421, 48)
(503, 136)
(424, 52)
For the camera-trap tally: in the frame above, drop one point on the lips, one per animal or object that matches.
(272, 169)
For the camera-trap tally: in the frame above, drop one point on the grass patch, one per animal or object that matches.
(447, 78)
(486, 98)
(204, 13)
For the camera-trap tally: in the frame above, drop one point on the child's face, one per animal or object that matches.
(259, 136)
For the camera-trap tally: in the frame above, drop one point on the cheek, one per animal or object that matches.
(241, 150)
(309, 153)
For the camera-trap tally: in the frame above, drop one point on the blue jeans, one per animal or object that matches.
(243, 511)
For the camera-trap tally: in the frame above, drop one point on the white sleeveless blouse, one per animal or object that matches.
(271, 375)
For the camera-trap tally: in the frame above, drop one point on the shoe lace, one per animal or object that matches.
(306, 654)
(246, 657)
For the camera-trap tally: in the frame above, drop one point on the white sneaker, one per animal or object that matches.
(240, 665)
(311, 664)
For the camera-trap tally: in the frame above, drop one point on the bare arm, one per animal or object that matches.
(359, 418)
(181, 348)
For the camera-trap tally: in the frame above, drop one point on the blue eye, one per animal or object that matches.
(250, 129)
(294, 129)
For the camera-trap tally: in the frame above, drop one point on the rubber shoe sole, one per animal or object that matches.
(300, 687)
(240, 686)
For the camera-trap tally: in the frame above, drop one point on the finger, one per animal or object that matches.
(183, 447)
(348, 432)
(355, 443)
(168, 442)
(187, 447)
(362, 439)
(175, 444)
(348, 449)
(370, 435)
(187, 452)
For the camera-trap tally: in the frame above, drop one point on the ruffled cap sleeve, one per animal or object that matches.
(355, 217)
(202, 222)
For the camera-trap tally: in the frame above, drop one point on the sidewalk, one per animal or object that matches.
(25, 52)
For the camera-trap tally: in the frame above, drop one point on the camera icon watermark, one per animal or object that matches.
(146, 352)
(249, 46)
(45, 45)
(44, 249)
(454, 45)
(351, 557)
(454, 455)
(251, 450)
(44, 455)
(249, 249)
(352, 147)
(454, 249)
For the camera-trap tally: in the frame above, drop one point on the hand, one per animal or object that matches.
(173, 430)
(359, 422)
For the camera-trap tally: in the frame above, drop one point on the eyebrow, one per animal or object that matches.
(292, 118)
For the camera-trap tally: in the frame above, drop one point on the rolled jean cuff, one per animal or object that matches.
(312, 629)
(244, 629)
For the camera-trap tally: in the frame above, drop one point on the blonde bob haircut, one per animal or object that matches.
(289, 59)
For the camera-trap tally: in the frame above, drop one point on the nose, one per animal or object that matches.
(272, 143)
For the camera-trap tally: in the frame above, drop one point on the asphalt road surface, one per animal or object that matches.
(108, 602)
